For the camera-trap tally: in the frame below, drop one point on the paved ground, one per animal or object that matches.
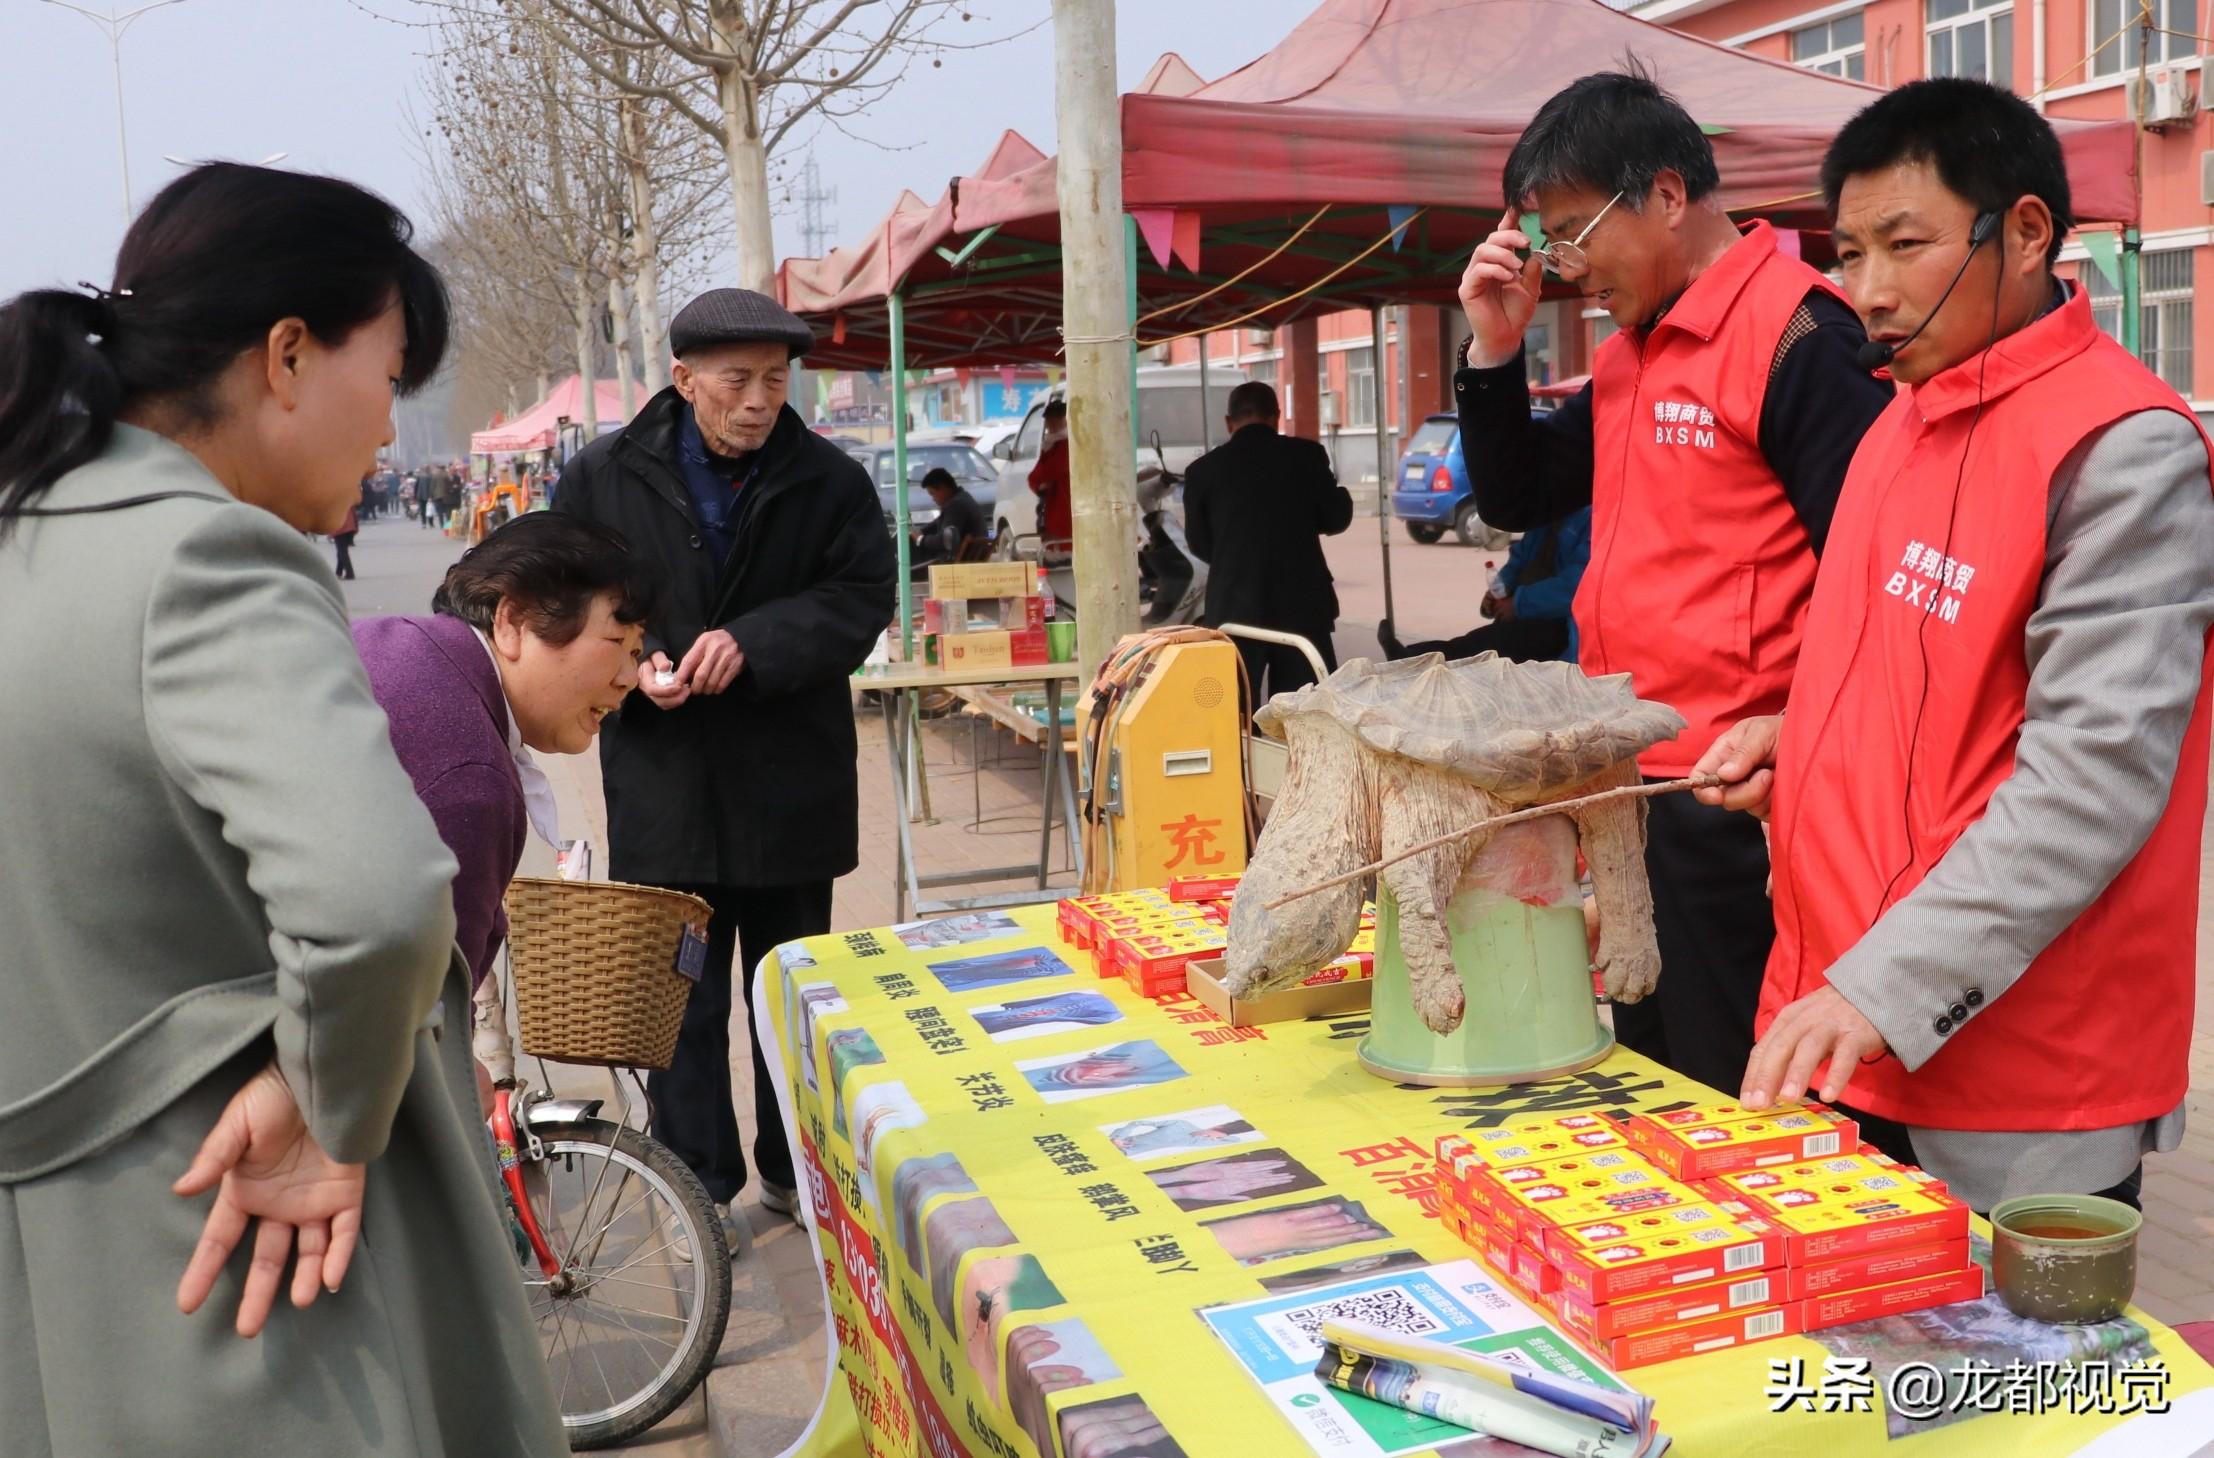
(985, 794)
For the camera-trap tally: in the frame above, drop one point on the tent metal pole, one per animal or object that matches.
(1130, 271)
(1383, 452)
(898, 308)
(1206, 416)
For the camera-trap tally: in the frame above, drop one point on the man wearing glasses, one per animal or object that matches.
(1710, 445)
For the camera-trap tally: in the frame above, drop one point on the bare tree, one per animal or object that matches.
(749, 71)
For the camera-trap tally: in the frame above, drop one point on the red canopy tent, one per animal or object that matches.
(536, 428)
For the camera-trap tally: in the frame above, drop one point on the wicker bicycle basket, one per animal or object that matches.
(595, 969)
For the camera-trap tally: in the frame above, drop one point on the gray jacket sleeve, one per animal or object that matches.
(260, 712)
(2116, 645)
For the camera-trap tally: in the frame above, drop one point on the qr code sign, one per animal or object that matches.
(1389, 1307)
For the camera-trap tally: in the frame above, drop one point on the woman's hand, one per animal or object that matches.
(263, 1164)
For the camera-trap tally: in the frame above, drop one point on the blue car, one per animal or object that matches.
(1432, 493)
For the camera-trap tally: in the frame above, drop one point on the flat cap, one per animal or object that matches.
(738, 316)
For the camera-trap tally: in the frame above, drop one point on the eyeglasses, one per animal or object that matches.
(1568, 260)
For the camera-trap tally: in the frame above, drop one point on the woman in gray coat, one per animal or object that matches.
(234, 1065)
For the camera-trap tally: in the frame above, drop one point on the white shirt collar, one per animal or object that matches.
(538, 794)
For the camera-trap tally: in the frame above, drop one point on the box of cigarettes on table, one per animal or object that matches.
(975, 614)
(1693, 1144)
(1601, 1320)
(983, 579)
(1832, 1209)
(1663, 1250)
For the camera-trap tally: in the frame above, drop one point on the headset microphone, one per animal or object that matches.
(1874, 354)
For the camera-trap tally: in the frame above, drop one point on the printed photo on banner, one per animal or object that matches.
(994, 1285)
(1096, 1071)
(846, 1049)
(1123, 1426)
(950, 1231)
(1035, 1017)
(1268, 1235)
(803, 1003)
(1345, 1270)
(877, 1110)
(1189, 1131)
(1051, 1357)
(955, 931)
(1231, 1179)
(1024, 964)
(915, 1183)
(794, 957)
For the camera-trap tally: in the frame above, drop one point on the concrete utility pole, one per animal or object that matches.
(112, 26)
(1096, 325)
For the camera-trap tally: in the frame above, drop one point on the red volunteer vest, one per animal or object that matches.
(1700, 569)
(2097, 1032)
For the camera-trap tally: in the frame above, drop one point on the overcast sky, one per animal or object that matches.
(327, 82)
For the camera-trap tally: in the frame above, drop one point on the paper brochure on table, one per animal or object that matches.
(1278, 1341)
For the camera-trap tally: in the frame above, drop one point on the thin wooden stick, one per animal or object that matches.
(1622, 792)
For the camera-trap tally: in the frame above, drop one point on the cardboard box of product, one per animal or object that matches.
(1204, 978)
(1202, 888)
(1692, 1148)
(997, 649)
(972, 614)
(1739, 1328)
(1834, 1209)
(1842, 1308)
(1613, 1260)
(983, 579)
(1603, 1320)
(1880, 1269)
(1612, 1183)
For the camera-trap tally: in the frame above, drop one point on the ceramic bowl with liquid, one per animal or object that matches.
(2065, 1258)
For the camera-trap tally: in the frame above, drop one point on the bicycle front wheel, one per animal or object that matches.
(633, 1319)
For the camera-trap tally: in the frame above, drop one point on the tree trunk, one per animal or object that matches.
(588, 394)
(746, 153)
(1095, 306)
(645, 249)
(625, 371)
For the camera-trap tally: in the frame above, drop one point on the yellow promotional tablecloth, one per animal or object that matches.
(1027, 1184)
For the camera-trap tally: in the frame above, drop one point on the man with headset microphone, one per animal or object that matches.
(1986, 791)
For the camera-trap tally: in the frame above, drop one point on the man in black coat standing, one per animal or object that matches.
(1256, 509)
(730, 773)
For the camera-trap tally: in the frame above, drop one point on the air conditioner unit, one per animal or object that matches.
(2166, 96)
(1260, 336)
(2206, 178)
(1328, 413)
(1155, 354)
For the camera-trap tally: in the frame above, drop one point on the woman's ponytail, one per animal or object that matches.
(59, 390)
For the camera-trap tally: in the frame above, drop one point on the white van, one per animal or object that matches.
(1168, 402)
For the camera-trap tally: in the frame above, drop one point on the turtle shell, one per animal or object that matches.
(1522, 731)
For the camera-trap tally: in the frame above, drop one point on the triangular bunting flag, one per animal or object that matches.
(1184, 242)
(1158, 226)
(2106, 253)
(1398, 215)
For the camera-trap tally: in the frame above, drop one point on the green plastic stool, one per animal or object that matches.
(1524, 965)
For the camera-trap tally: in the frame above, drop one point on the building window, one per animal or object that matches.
(2173, 39)
(1360, 388)
(2164, 312)
(1834, 47)
(1973, 38)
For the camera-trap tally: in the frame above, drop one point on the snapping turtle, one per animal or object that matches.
(1386, 756)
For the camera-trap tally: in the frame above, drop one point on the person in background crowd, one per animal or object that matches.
(534, 638)
(1256, 509)
(731, 771)
(1049, 479)
(1988, 788)
(249, 1035)
(1528, 603)
(960, 521)
(349, 527)
(1709, 444)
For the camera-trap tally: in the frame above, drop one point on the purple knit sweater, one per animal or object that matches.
(442, 695)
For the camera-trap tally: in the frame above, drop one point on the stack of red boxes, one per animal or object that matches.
(1665, 1236)
(1148, 937)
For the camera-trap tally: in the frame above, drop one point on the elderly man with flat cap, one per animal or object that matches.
(730, 773)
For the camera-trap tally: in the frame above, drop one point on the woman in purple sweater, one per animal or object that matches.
(535, 637)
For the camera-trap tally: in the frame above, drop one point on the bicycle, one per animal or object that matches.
(622, 1252)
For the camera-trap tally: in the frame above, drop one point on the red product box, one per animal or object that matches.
(1739, 1328)
(1611, 1184)
(1532, 1271)
(1703, 1147)
(1665, 1250)
(1880, 1269)
(1842, 1308)
(1604, 1320)
(1202, 888)
(1835, 1209)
